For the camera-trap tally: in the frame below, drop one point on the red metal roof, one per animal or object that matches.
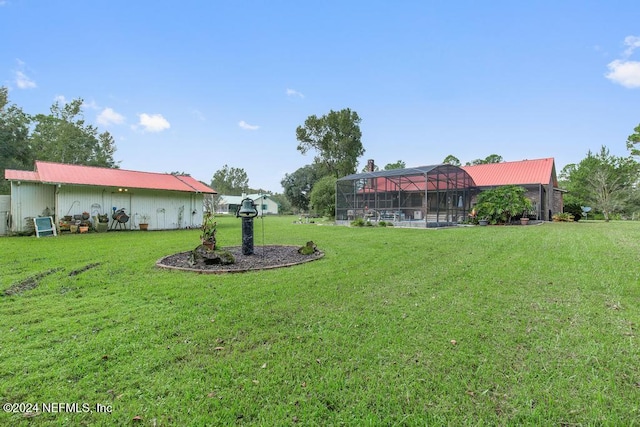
(60, 173)
(540, 171)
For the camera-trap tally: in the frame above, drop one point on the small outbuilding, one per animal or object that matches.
(164, 201)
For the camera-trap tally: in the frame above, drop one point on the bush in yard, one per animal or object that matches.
(358, 222)
(499, 205)
(574, 209)
(562, 217)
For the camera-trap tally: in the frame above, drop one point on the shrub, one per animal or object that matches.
(562, 217)
(358, 222)
(574, 209)
(499, 205)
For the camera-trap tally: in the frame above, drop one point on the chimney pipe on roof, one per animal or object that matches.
(371, 166)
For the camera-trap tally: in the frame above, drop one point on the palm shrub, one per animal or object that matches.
(499, 205)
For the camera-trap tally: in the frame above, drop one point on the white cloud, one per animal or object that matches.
(60, 99)
(23, 81)
(247, 126)
(624, 71)
(633, 43)
(109, 117)
(90, 104)
(292, 92)
(153, 122)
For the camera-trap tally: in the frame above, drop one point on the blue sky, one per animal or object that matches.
(194, 85)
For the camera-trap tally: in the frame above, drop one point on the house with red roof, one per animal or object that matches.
(537, 176)
(164, 201)
(440, 195)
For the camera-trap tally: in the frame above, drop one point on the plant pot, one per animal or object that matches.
(83, 228)
(524, 221)
(144, 227)
(73, 228)
(483, 222)
(101, 227)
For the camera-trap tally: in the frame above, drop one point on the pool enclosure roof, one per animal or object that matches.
(418, 170)
(418, 178)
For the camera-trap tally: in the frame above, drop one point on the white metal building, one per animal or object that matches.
(264, 204)
(55, 189)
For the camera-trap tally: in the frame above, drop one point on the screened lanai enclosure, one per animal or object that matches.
(424, 196)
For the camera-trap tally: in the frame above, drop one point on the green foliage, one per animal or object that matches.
(397, 165)
(358, 222)
(230, 181)
(562, 217)
(336, 139)
(284, 205)
(15, 152)
(633, 140)
(63, 136)
(323, 196)
(209, 227)
(603, 181)
(297, 186)
(492, 158)
(451, 160)
(500, 204)
(574, 209)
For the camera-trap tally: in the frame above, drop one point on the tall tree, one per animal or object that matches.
(63, 136)
(230, 181)
(605, 182)
(15, 152)
(397, 165)
(633, 140)
(336, 139)
(323, 196)
(297, 185)
(451, 160)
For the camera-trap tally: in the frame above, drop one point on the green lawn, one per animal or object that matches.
(532, 325)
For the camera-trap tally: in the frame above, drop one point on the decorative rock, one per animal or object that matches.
(308, 249)
(203, 255)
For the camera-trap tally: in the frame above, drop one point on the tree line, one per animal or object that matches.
(607, 183)
(60, 136)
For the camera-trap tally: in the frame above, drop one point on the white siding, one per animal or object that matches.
(165, 209)
(5, 212)
(29, 199)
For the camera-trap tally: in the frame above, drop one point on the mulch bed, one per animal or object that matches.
(264, 257)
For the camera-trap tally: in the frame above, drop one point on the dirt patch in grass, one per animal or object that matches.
(83, 269)
(28, 283)
(264, 257)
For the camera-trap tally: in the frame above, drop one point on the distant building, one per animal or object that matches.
(265, 205)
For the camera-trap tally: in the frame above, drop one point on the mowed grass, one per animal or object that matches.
(534, 325)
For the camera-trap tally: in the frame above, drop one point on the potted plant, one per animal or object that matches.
(209, 229)
(144, 222)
